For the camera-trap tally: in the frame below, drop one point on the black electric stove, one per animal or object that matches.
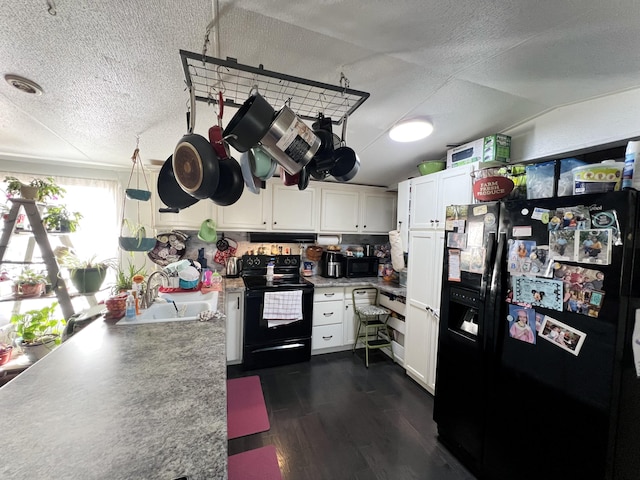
(274, 343)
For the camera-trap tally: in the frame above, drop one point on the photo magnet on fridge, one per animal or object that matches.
(562, 244)
(519, 256)
(456, 240)
(595, 246)
(521, 323)
(537, 292)
(562, 335)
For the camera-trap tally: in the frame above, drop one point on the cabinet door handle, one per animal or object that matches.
(364, 226)
(328, 314)
(264, 223)
(360, 292)
(238, 300)
(327, 338)
(275, 223)
(356, 226)
(329, 294)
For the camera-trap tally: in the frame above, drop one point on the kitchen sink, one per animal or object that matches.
(166, 312)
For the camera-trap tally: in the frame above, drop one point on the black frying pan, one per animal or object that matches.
(231, 183)
(169, 190)
(196, 166)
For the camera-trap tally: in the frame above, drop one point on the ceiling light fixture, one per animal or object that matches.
(411, 130)
(23, 84)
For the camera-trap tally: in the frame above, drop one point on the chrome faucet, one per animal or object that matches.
(152, 291)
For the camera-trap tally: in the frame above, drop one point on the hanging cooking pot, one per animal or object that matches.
(347, 163)
(195, 163)
(250, 123)
(288, 179)
(290, 141)
(169, 191)
(303, 180)
(231, 184)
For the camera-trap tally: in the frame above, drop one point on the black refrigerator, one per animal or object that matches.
(536, 375)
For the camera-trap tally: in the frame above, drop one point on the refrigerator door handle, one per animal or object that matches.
(486, 275)
(493, 303)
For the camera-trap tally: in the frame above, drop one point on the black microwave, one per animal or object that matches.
(353, 267)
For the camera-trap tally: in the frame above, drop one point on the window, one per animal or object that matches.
(97, 234)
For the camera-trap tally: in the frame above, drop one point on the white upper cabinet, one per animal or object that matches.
(378, 212)
(431, 194)
(357, 210)
(250, 213)
(189, 218)
(293, 209)
(339, 210)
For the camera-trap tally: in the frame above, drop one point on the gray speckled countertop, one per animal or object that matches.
(121, 402)
(237, 285)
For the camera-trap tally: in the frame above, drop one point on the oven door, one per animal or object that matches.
(256, 330)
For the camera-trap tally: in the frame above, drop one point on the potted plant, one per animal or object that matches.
(37, 189)
(86, 274)
(133, 237)
(125, 277)
(39, 331)
(30, 283)
(59, 219)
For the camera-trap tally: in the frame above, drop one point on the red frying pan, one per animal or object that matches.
(215, 132)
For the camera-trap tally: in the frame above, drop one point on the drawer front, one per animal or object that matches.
(326, 336)
(327, 313)
(328, 294)
(395, 305)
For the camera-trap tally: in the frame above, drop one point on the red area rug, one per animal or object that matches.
(246, 410)
(258, 464)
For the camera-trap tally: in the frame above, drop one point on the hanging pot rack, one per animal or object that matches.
(206, 76)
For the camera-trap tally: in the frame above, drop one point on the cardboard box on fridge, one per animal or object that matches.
(494, 148)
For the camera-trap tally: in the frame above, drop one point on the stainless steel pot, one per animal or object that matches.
(290, 141)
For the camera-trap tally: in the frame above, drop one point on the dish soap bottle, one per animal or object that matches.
(216, 282)
(130, 309)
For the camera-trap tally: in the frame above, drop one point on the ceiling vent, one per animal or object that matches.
(23, 84)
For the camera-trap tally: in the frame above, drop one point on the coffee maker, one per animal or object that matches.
(331, 265)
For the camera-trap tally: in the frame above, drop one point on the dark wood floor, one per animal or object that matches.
(332, 418)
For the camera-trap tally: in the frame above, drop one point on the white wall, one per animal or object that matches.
(601, 121)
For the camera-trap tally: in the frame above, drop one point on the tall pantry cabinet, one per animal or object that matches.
(428, 198)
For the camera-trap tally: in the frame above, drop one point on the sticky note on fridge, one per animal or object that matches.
(521, 231)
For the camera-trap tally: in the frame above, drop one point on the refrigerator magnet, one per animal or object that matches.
(456, 240)
(538, 292)
(454, 265)
(562, 335)
(521, 231)
(595, 246)
(520, 323)
(635, 339)
(475, 234)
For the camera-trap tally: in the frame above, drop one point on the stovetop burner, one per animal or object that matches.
(286, 272)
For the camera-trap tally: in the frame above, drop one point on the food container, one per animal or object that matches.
(598, 177)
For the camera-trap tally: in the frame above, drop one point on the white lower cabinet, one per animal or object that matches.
(421, 346)
(234, 309)
(328, 304)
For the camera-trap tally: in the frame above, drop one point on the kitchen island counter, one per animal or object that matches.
(121, 402)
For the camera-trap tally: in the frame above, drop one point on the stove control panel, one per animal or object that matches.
(260, 262)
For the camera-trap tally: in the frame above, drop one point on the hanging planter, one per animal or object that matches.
(133, 236)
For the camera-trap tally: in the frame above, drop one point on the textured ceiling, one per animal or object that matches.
(111, 70)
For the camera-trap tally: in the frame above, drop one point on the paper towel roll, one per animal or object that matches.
(328, 240)
(397, 255)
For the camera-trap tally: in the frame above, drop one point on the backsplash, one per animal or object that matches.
(240, 241)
